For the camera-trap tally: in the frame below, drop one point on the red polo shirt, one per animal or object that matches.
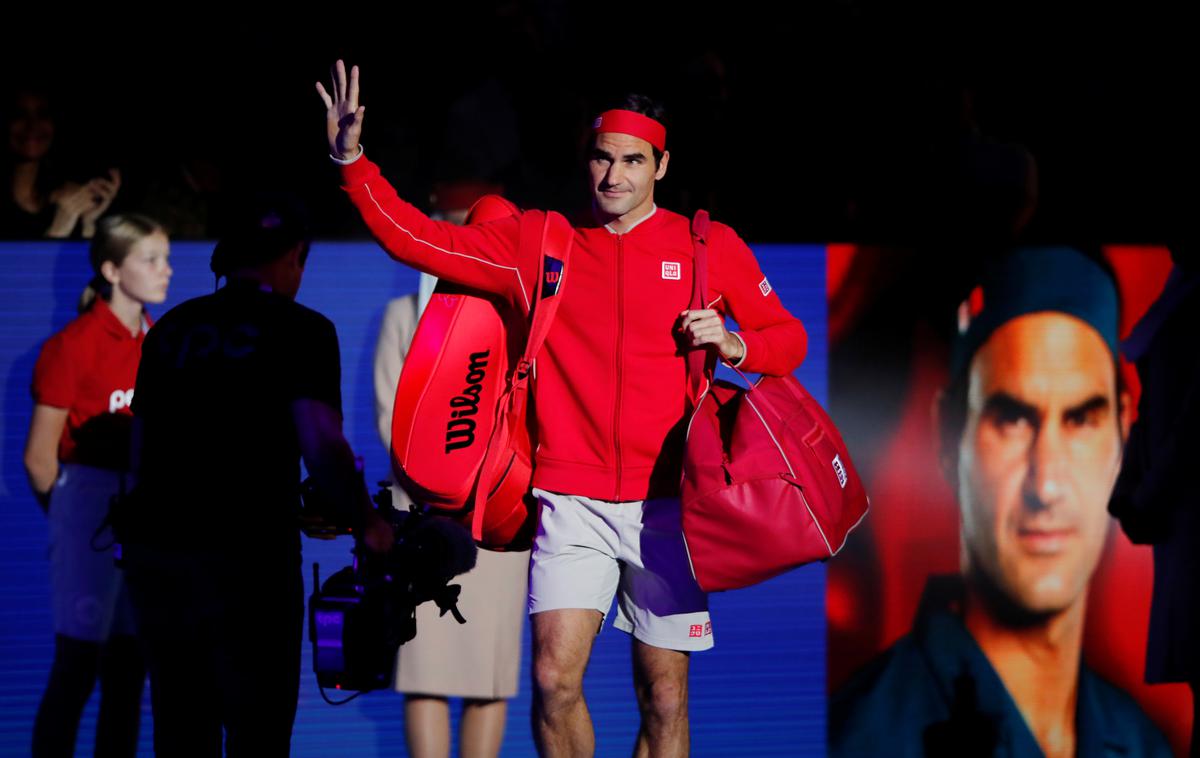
(89, 368)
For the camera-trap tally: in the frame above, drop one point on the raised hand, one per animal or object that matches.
(70, 202)
(343, 114)
(103, 190)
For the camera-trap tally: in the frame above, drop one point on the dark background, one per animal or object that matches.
(812, 121)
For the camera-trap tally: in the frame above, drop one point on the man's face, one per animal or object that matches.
(623, 175)
(1039, 455)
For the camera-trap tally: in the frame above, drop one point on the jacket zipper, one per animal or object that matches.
(620, 341)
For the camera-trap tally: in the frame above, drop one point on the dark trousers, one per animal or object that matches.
(222, 645)
(117, 663)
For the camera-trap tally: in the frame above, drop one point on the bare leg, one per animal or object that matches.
(482, 728)
(562, 642)
(660, 678)
(427, 726)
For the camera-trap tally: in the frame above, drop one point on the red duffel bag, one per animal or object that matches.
(768, 484)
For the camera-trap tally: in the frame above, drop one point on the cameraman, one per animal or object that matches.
(233, 389)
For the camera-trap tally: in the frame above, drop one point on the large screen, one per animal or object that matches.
(987, 411)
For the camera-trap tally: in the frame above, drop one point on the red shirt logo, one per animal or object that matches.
(670, 270)
(119, 400)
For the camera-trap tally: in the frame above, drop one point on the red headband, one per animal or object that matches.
(633, 124)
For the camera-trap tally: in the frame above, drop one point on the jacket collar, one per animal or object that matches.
(113, 325)
(653, 212)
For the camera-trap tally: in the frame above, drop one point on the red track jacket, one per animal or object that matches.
(611, 389)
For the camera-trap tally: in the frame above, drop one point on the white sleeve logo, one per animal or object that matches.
(840, 470)
(764, 287)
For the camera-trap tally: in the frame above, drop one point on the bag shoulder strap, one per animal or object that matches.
(700, 226)
(697, 370)
(557, 237)
(699, 367)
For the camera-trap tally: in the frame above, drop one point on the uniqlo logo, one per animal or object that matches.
(697, 631)
(670, 270)
(764, 287)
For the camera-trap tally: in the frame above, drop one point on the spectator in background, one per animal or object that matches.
(37, 201)
(77, 457)
(479, 661)
(943, 178)
(184, 191)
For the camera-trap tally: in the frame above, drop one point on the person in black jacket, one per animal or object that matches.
(234, 388)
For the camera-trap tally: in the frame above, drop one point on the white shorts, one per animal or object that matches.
(587, 550)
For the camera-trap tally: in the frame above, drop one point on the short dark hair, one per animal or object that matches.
(952, 405)
(260, 230)
(647, 106)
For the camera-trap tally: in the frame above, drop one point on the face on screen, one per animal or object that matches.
(1038, 457)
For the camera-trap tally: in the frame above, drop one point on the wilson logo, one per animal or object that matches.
(840, 470)
(460, 430)
(552, 276)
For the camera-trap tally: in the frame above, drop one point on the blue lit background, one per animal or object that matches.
(759, 692)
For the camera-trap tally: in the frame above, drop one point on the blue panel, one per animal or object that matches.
(761, 691)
